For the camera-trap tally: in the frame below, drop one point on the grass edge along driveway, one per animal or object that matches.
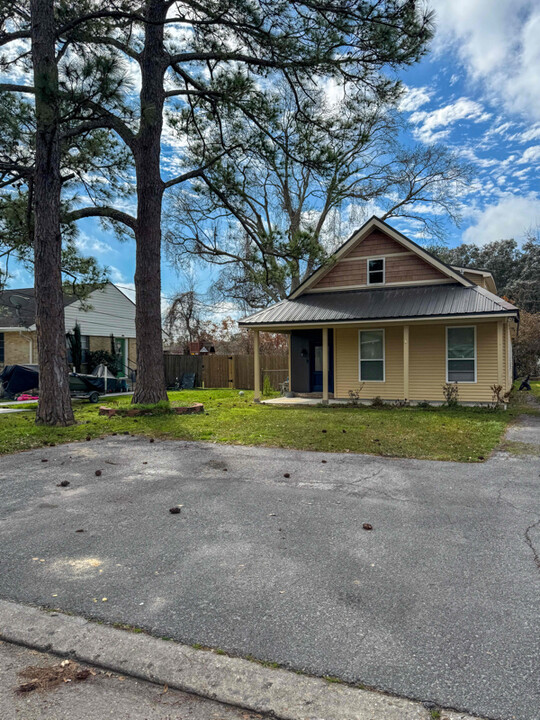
(460, 434)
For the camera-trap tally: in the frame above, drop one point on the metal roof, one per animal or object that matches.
(423, 301)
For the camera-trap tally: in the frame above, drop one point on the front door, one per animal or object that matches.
(120, 345)
(316, 368)
(316, 365)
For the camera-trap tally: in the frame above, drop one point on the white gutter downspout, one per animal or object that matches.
(30, 348)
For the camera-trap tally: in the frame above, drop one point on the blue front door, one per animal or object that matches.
(316, 375)
(316, 362)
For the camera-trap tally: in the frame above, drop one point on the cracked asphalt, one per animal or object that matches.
(439, 602)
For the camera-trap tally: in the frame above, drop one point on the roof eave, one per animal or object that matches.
(388, 319)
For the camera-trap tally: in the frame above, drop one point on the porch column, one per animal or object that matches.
(500, 354)
(325, 366)
(290, 364)
(406, 362)
(256, 368)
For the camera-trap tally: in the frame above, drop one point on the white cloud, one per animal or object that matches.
(532, 133)
(497, 43)
(511, 217)
(429, 124)
(87, 244)
(531, 155)
(414, 98)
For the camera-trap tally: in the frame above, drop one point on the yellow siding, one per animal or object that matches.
(346, 375)
(427, 363)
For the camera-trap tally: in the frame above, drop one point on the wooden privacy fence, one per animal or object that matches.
(222, 371)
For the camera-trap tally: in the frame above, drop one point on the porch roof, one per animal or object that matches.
(392, 303)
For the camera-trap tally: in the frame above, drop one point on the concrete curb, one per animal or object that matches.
(233, 681)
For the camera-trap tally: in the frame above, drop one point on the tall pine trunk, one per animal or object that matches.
(150, 385)
(54, 406)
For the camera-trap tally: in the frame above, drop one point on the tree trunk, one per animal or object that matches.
(150, 385)
(54, 406)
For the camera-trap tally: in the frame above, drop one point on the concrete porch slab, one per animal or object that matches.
(302, 401)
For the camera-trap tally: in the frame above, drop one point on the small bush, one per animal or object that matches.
(354, 395)
(267, 386)
(377, 402)
(424, 404)
(400, 403)
(451, 394)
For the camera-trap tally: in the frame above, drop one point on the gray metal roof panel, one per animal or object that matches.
(382, 303)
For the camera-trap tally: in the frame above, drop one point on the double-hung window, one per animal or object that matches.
(461, 354)
(375, 271)
(371, 351)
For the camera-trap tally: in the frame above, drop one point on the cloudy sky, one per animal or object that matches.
(477, 91)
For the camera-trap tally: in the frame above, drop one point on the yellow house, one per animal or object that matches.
(385, 318)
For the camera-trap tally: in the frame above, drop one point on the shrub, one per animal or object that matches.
(377, 402)
(498, 396)
(102, 357)
(267, 386)
(354, 395)
(400, 403)
(451, 393)
(424, 404)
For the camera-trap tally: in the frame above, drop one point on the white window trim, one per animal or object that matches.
(462, 327)
(377, 257)
(372, 359)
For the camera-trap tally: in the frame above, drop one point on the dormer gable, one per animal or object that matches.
(377, 255)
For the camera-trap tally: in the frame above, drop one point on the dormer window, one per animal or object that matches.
(375, 271)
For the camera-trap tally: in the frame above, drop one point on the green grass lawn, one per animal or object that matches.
(535, 388)
(463, 434)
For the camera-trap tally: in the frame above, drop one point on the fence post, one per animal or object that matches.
(231, 371)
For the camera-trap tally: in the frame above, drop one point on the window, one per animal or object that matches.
(85, 348)
(371, 355)
(318, 358)
(461, 354)
(375, 271)
(1, 347)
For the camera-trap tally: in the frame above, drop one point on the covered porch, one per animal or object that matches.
(315, 367)
(395, 361)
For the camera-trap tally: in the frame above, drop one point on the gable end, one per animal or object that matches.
(402, 265)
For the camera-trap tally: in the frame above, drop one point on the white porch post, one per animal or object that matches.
(256, 368)
(406, 362)
(325, 366)
(500, 357)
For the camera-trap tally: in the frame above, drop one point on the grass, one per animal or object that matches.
(535, 388)
(462, 434)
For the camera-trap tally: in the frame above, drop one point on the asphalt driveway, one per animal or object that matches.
(268, 557)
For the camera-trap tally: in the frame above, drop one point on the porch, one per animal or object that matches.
(393, 361)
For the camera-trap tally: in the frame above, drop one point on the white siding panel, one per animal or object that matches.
(109, 311)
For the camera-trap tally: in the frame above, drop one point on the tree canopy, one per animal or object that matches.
(515, 268)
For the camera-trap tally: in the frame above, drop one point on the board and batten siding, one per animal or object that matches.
(401, 265)
(427, 362)
(109, 311)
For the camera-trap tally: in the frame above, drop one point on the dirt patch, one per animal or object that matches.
(42, 679)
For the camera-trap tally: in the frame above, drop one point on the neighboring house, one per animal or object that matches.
(385, 318)
(102, 313)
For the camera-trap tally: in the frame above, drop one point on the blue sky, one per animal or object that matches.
(477, 91)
